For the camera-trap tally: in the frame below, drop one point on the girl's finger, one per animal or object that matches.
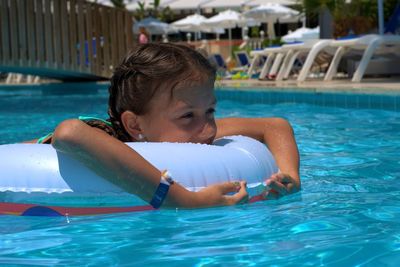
(274, 176)
(277, 186)
(290, 188)
(241, 196)
(229, 187)
(284, 178)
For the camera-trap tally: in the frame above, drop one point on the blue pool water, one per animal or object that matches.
(347, 214)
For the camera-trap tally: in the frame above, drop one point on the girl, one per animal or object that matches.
(165, 93)
(143, 35)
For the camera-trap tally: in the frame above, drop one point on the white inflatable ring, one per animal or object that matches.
(36, 173)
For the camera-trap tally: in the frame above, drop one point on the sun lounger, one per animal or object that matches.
(219, 62)
(369, 45)
(295, 50)
(283, 57)
(272, 62)
(365, 46)
(280, 60)
(255, 61)
(224, 71)
(242, 59)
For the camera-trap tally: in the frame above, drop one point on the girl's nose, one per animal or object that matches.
(208, 132)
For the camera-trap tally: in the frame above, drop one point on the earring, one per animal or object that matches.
(140, 137)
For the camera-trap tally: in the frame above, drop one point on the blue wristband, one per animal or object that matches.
(162, 190)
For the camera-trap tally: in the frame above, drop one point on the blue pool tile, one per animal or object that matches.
(329, 99)
(388, 102)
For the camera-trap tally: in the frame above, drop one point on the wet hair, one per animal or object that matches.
(148, 69)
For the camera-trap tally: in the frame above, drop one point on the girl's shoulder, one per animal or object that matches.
(91, 121)
(99, 123)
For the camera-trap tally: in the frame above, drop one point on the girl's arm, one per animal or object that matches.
(124, 167)
(278, 135)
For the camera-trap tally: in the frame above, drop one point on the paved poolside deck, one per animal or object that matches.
(368, 85)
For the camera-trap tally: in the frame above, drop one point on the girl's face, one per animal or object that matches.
(187, 116)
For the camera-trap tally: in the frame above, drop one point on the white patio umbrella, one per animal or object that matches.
(195, 23)
(301, 34)
(220, 5)
(154, 26)
(186, 4)
(228, 19)
(269, 13)
(192, 23)
(102, 2)
(254, 3)
(312, 34)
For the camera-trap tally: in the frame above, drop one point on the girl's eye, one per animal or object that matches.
(188, 115)
(211, 111)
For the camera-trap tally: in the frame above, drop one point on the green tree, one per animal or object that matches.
(324, 10)
(313, 7)
(357, 16)
(118, 3)
(140, 12)
(154, 10)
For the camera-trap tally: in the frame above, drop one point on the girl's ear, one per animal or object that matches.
(131, 125)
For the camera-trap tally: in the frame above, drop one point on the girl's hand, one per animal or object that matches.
(216, 195)
(281, 184)
(278, 135)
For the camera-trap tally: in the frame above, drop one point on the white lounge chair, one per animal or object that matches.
(366, 46)
(272, 54)
(280, 59)
(295, 50)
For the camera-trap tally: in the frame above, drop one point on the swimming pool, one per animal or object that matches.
(347, 213)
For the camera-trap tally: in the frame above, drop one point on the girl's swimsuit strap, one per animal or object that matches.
(82, 118)
(43, 138)
(86, 118)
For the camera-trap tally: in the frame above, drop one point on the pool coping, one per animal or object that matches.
(369, 86)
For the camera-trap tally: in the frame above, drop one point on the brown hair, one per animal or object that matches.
(144, 31)
(147, 69)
